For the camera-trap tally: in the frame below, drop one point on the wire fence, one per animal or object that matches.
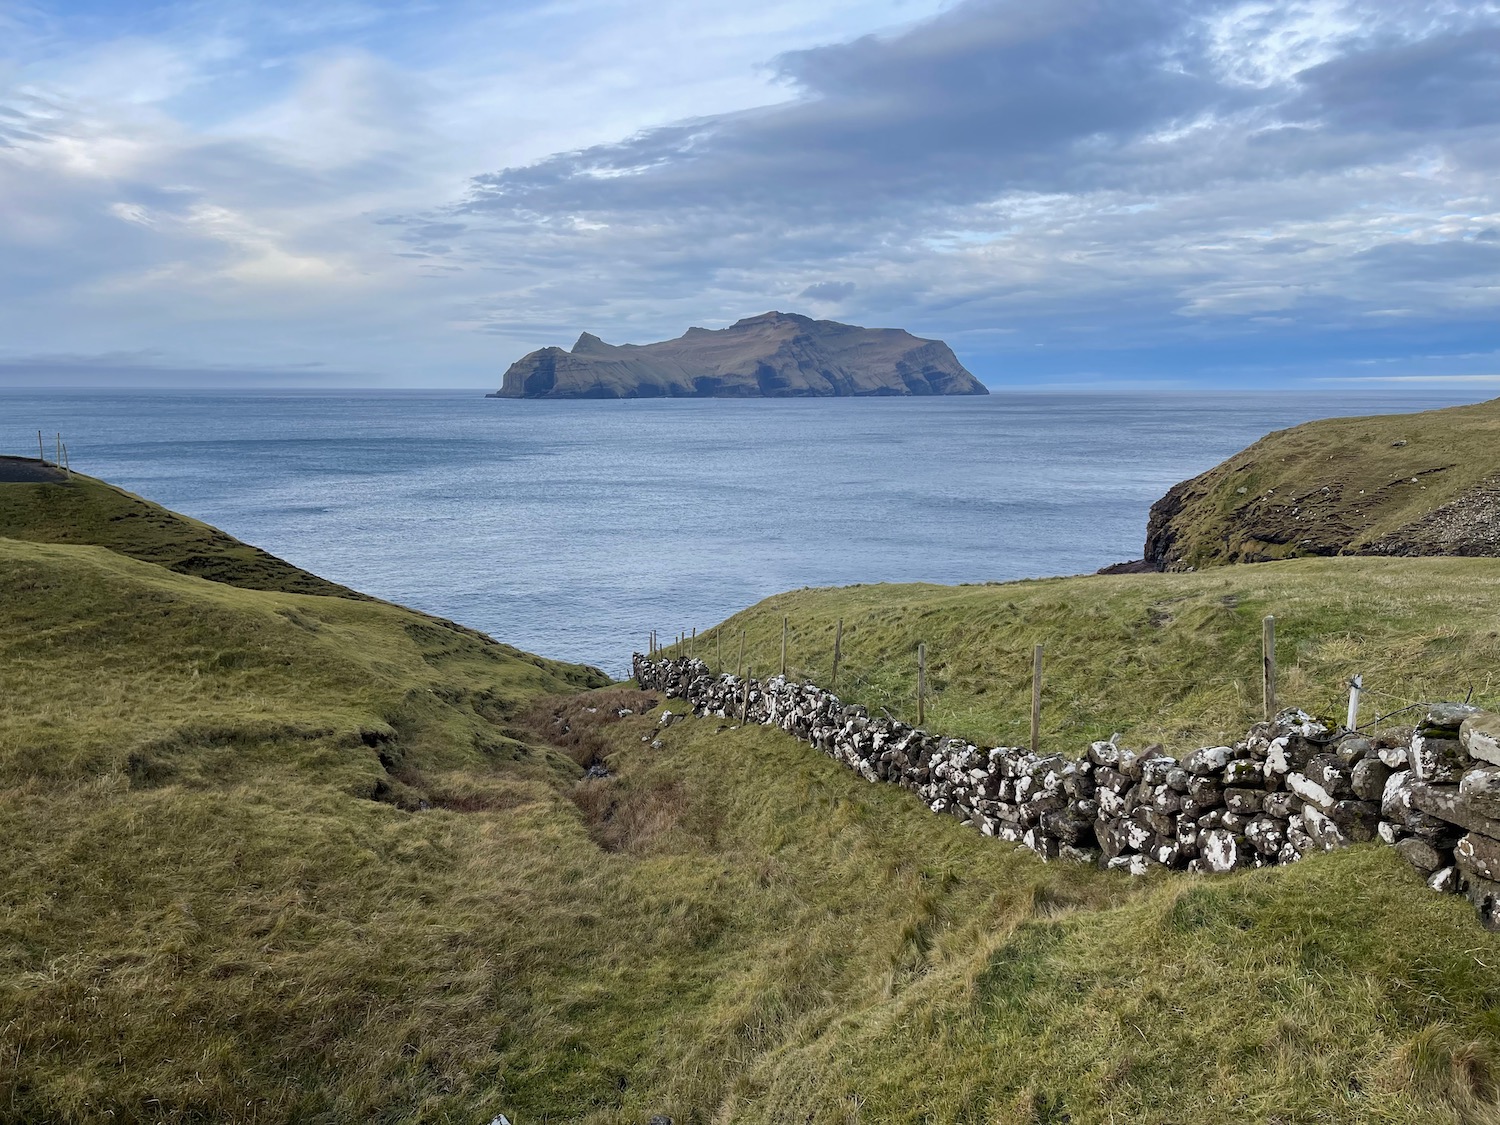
(899, 688)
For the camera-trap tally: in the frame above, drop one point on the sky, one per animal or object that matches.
(1081, 193)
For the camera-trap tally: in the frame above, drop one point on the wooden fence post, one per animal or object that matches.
(1036, 699)
(838, 640)
(41, 450)
(693, 644)
(1354, 687)
(1268, 665)
(739, 667)
(921, 684)
(745, 709)
(783, 646)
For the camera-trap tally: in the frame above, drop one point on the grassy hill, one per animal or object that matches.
(85, 510)
(1173, 658)
(1397, 484)
(275, 856)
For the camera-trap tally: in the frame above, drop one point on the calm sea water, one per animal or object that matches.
(571, 529)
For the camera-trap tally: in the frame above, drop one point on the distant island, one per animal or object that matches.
(774, 355)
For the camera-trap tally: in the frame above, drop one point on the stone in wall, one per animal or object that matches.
(1291, 788)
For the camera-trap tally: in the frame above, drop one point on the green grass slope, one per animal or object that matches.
(1404, 484)
(278, 857)
(85, 510)
(1174, 658)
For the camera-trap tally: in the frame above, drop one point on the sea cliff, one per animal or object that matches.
(775, 355)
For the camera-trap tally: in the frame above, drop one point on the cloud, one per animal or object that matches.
(829, 290)
(1082, 185)
(1093, 175)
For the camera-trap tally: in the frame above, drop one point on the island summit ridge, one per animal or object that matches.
(774, 355)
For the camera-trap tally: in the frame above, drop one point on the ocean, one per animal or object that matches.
(571, 529)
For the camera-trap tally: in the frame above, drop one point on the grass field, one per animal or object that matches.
(281, 857)
(1174, 658)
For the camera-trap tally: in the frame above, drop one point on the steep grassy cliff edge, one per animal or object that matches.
(1399, 484)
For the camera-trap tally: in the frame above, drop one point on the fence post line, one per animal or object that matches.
(693, 645)
(739, 667)
(41, 450)
(1036, 699)
(783, 644)
(1268, 665)
(838, 641)
(745, 709)
(58, 459)
(1354, 686)
(921, 683)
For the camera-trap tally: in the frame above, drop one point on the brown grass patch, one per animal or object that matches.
(621, 817)
(577, 724)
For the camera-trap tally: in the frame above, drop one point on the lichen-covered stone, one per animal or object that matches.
(1485, 895)
(1355, 749)
(1421, 855)
(1444, 880)
(1266, 834)
(1207, 760)
(1246, 802)
(1221, 850)
(1480, 736)
(1154, 770)
(1447, 804)
(1356, 819)
(1309, 790)
(1395, 798)
(1449, 716)
(1480, 787)
(1322, 830)
(1394, 756)
(1282, 805)
(1243, 772)
(1439, 760)
(1291, 791)
(1368, 778)
(1479, 854)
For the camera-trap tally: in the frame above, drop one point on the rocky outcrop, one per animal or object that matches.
(1396, 484)
(773, 355)
(1291, 788)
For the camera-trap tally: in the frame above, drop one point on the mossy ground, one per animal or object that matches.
(278, 857)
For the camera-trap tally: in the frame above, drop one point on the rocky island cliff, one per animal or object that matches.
(773, 355)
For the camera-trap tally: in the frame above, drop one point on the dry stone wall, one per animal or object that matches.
(1292, 787)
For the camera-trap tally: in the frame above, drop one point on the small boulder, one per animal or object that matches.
(1444, 881)
(1420, 854)
(1439, 760)
(1220, 850)
(1449, 716)
(1368, 778)
(1481, 789)
(1208, 760)
(1480, 736)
